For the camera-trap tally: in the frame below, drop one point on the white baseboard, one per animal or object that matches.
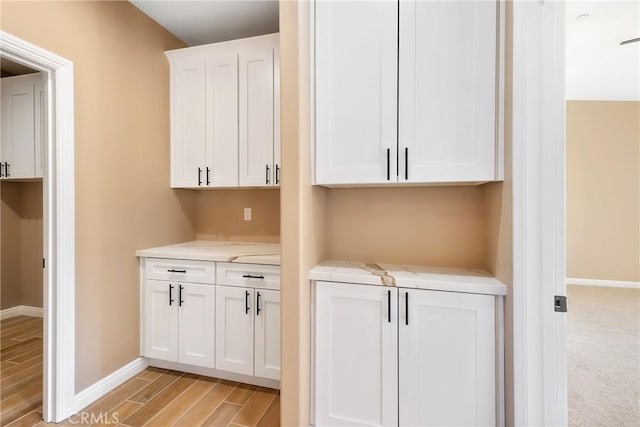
(603, 283)
(21, 310)
(100, 388)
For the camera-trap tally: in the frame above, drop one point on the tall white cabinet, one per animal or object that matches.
(22, 116)
(225, 114)
(412, 94)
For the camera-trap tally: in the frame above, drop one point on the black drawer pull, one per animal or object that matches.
(277, 174)
(251, 276)
(170, 294)
(267, 174)
(258, 304)
(406, 308)
(389, 306)
(208, 181)
(6, 170)
(246, 302)
(173, 270)
(199, 177)
(1, 166)
(180, 300)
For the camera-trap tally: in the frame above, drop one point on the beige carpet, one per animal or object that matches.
(603, 356)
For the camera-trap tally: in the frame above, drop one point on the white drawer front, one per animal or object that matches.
(248, 275)
(180, 270)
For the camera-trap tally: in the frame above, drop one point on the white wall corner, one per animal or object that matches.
(100, 388)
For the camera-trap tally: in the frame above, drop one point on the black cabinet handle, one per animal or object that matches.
(1, 166)
(277, 175)
(251, 276)
(170, 294)
(180, 300)
(406, 162)
(208, 181)
(267, 174)
(6, 170)
(246, 302)
(388, 164)
(173, 270)
(389, 306)
(406, 308)
(199, 177)
(258, 304)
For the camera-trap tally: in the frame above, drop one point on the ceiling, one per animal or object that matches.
(203, 22)
(597, 66)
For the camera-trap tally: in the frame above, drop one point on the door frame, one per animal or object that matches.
(59, 224)
(539, 240)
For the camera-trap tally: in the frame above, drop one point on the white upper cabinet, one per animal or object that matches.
(407, 92)
(225, 114)
(447, 99)
(356, 53)
(256, 88)
(22, 103)
(188, 118)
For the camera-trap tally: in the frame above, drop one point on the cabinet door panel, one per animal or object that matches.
(276, 120)
(234, 329)
(355, 355)
(18, 120)
(355, 91)
(188, 117)
(222, 118)
(196, 325)
(446, 359)
(160, 320)
(447, 99)
(256, 114)
(267, 335)
(40, 126)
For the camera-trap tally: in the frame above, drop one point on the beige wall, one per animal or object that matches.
(603, 190)
(441, 226)
(21, 250)
(10, 245)
(220, 215)
(123, 199)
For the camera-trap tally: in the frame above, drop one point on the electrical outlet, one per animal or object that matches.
(247, 214)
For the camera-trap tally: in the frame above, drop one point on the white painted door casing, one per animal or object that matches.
(196, 324)
(234, 329)
(447, 90)
(356, 357)
(160, 307)
(356, 97)
(446, 358)
(267, 334)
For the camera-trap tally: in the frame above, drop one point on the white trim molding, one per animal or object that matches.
(59, 223)
(603, 283)
(98, 389)
(539, 247)
(21, 310)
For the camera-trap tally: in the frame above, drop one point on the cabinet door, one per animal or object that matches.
(196, 324)
(188, 117)
(356, 56)
(356, 352)
(161, 320)
(267, 334)
(234, 329)
(18, 130)
(447, 99)
(222, 118)
(256, 119)
(447, 359)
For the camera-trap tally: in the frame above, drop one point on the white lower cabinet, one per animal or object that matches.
(179, 322)
(248, 331)
(408, 357)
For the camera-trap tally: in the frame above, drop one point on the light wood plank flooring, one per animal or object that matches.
(155, 397)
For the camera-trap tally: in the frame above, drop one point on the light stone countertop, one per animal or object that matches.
(219, 251)
(409, 276)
